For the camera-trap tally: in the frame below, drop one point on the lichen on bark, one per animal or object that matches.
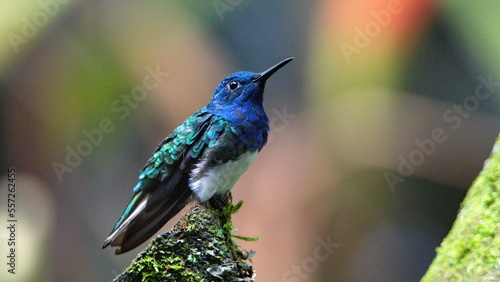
(471, 251)
(200, 247)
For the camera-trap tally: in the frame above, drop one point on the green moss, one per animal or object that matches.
(471, 251)
(200, 247)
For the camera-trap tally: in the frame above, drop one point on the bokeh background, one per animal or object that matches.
(378, 127)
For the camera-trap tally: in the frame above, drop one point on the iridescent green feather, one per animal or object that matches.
(193, 136)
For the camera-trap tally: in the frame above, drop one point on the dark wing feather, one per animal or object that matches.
(169, 197)
(163, 186)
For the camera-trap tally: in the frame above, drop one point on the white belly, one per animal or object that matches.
(220, 179)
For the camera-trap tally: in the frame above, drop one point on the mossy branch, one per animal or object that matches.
(471, 251)
(200, 247)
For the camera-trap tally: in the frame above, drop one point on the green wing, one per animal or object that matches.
(163, 186)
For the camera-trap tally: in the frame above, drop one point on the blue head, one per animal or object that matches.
(238, 98)
(240, 95)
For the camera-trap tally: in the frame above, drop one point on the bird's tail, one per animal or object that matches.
(147, 212)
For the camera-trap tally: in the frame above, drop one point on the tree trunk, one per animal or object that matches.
(471, 251)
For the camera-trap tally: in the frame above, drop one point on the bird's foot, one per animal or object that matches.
(219, 201)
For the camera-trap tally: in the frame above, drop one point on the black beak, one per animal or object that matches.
(263, 76)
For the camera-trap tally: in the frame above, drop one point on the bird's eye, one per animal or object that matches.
(233, 85)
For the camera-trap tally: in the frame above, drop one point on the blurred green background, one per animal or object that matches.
(378, 126)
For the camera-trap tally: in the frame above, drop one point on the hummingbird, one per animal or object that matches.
(202, 158)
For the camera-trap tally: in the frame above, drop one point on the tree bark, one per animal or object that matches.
(471, 251)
